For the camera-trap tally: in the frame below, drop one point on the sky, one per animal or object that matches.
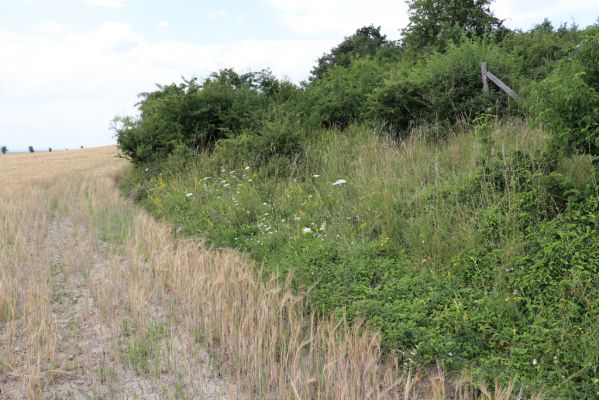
(68, 67)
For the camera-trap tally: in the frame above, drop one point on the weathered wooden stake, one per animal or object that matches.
(486, 75)
(483, 72)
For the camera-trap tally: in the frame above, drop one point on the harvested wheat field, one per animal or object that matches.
(82, 312)
(99, 301)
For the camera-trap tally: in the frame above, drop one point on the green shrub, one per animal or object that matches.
(444, 87)
(567, 101)
(278, 134)
(340, 96)
(197, 115)
(537, 50)
(365, 42)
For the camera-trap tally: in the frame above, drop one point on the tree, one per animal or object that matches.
(4, 149)
(49, 149)
(31, 150)
(367, 41)
(436, 23)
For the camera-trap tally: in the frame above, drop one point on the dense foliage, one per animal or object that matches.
(366, 42)
(436, 23)
(567, 101)
(392, 191)
(197, 115)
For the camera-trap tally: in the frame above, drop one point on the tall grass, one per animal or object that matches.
(422, 242)
(100, 300)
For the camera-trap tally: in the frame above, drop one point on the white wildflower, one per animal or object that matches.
(535, 361)
(188, 195)
(247, 168)
(323, 226)
(315, 176)
(339, 182)
(307, 230)
(147, 169)
(226, 185)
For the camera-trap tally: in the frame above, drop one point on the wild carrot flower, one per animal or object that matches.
(339, 182)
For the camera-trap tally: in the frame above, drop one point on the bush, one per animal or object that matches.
(365, 42)
(279, 134)
(340, 97)
(197, 115)
(567, 101)
(537, 50)
(444, 87)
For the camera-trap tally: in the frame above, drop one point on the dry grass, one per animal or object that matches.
(98, 300)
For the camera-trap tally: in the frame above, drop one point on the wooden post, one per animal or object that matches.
(486, 75)
(502, 85)
(483, 73)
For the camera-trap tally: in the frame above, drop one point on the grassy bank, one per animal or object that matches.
(478, 252)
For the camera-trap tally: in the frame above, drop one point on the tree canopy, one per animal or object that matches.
(436, 23)
(366, 41)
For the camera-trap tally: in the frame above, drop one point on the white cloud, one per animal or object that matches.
(524, 14)
(218, 14)
(49, 27)
(106, 3)
(341, 17)
(222, 14)
(163, 25)
(56, 88)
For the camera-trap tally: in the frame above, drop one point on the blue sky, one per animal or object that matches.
(67, 67)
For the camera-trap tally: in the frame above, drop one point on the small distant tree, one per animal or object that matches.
(4, 149)
(31, 150)
(81, 146)
(49, 149)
